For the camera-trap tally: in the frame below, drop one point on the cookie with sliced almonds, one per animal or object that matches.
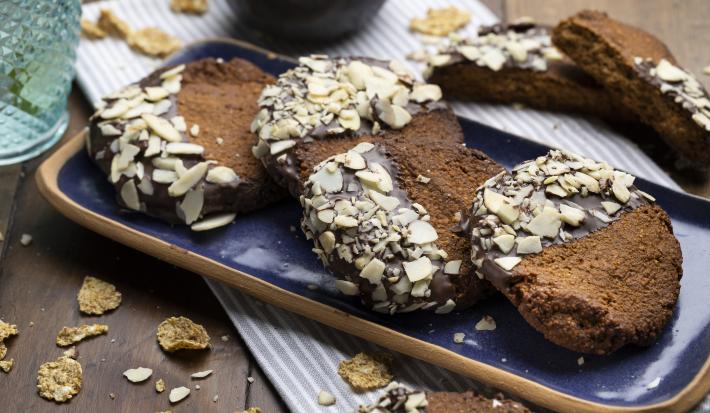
(398, 398)
(177, 144)
(586, 257)
(517, 63)
(383, 219)
(639, 71)
(325, 100)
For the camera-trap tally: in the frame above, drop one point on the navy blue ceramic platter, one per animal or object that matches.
(513, 357)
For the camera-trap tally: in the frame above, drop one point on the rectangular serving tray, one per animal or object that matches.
(261, 255)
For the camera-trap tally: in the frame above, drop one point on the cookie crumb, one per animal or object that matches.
(215, 398)
(25, 240)
(423, 179)
(250, 379)
(97, 296)
(441, 22)
(112, 396)
(195, 130)
(178, 394)
(224, 338)
(487, 323)
(90, 30)
(138, 374)
(197, 387)
(153, 42)
(219, 141)
(113, 25)
(7, 330)
(70, 335)
(580, 361)
(459, 338)
(6, 365)
(59, 380)
(177, 333)
(71, 352)
(189, 6)
(326, 398)
(367, 371)
(160, 386)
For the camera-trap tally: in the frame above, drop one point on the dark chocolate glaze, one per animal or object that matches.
(441, 286)
(564, 68)
(674, 90)
(287, 172)
(503, 279)
(393, 401)
(241, 195)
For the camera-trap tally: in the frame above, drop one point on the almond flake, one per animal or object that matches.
(138, 375)
(421, 232)
(487, 323)
(179, 393)
(201, 374)
(162, 127)
(418, 269)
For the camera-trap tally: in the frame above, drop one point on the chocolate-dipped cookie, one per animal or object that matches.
(324, 102)
(383, 218)
(517, 63)
(177, 144)
(586, 257)
(400, 399)
(638, 70)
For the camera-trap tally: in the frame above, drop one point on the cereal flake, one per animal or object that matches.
(178, 333)
(160, 386)
(6, 365)
(153, 42)
(97, 296)
(189, 6)
(70, 335)
(59, 380)
(91, 30)
(441, 22)
(367, 371)
(113, 25)
(3, 350)
(7, 330)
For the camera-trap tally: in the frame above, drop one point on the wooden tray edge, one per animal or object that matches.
(47, 181)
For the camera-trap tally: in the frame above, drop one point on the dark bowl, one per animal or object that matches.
(306, 19)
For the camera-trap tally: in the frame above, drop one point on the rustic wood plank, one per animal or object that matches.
(39, 287)
(682, 25)
(496, 6)
(9, 180)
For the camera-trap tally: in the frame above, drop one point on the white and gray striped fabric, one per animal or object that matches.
(300, 356)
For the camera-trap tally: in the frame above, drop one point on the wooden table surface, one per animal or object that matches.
(39, 283)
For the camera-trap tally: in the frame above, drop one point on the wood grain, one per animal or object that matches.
(39, 286)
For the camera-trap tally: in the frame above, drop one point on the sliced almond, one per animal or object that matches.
(425, 92)
(191, 205)
(221, 175)
(421, 232)
(164, 176)
(452, 267)
(184, 148)
(191, 177)
(571, 215)
(129, 195)
(178, 393)
(529, 245)
(669, 72)
(162, 127)
(388, 203)
(505, 242)
(373, 271)
(327, 241)
(547, 224)
(281, 146)
(418, 269)
(610, 207)
(507, 263)
(138, 375)
(345, 221)
(155, 93)
(328, 181)
(213, 222)
(347, 287)
(353, 160)
(621, 192)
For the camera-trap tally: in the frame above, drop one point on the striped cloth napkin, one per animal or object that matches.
(300, 356)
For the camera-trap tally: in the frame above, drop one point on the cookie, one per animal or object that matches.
(177, 144)
(400, 399)
(639, 71)
(384, 219)
(325, 100)
(517, 63)
(587, 258)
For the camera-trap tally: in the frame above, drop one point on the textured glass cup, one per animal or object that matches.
(38, 39)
